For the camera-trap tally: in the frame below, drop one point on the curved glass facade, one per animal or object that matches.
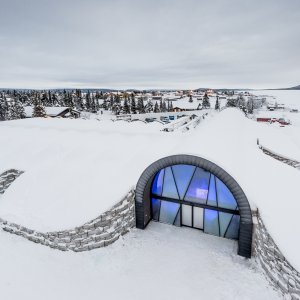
(185, 195)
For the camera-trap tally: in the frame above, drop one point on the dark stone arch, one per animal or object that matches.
(142, 197)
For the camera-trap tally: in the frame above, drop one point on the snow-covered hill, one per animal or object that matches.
(76, 169)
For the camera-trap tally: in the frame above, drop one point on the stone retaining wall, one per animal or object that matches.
(7, 178)
(278, 269)
(286, 160)
(100, 232)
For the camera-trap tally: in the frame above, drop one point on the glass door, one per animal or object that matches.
(198, 217)
(186, 212)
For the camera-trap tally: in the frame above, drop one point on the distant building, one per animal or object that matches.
(55, 112)
(156, 98)
(178, 109)
(210, 92)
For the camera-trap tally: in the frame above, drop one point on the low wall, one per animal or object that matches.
(278, 269)
(7, 177)
(100, 232)
(282, 158)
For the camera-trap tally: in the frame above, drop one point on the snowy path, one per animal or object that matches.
(162, 262)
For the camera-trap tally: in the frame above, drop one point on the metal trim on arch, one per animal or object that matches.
(142, 195)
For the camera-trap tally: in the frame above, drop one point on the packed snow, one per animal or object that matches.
(161, 262)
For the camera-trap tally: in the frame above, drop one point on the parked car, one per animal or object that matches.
(284, 121)
(148, 120)
(164, 118)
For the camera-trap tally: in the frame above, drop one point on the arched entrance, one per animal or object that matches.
(186, 190)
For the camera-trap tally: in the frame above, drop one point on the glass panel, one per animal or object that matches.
(155, 209)
(233, 229)
(158, 183)
(198, 188)
(212, 198)
(169, 189)
(211, 222)
(177, 220)
(198, 217)
(224, 219)
(168, 212)
(225, 198)
(183, 175)
(186, 215)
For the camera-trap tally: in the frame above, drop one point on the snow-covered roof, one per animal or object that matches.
(50, 111)
(76, 169)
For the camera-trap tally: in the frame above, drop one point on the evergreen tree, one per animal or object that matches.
(118, 99)
(38, 109)
(104, 104)
(17, 111)
(126, 108)
(156, 108)
(149, 107)
(241, 102)
(50, 103)
(71, 100)
(111, 101)
(133, 104)
(191, 99)
(140, 106)
(164, 107)
(3, 109)
(206, 102)
(97, 105)
(160, 105)
(217, 105)
(231, 102)
(79, 104)
(44, 99)
(93, 106)
(171, 106)
(250, 106)
(63, 99)
(116, 109)
(88, 102)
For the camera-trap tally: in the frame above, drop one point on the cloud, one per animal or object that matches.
(147, 44)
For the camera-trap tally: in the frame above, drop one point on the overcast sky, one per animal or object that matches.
(149, 43)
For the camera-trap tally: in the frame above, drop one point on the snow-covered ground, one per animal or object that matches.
(76, 169)
(283, 140)
(289, 98)
(184, 102)
(162, 262)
